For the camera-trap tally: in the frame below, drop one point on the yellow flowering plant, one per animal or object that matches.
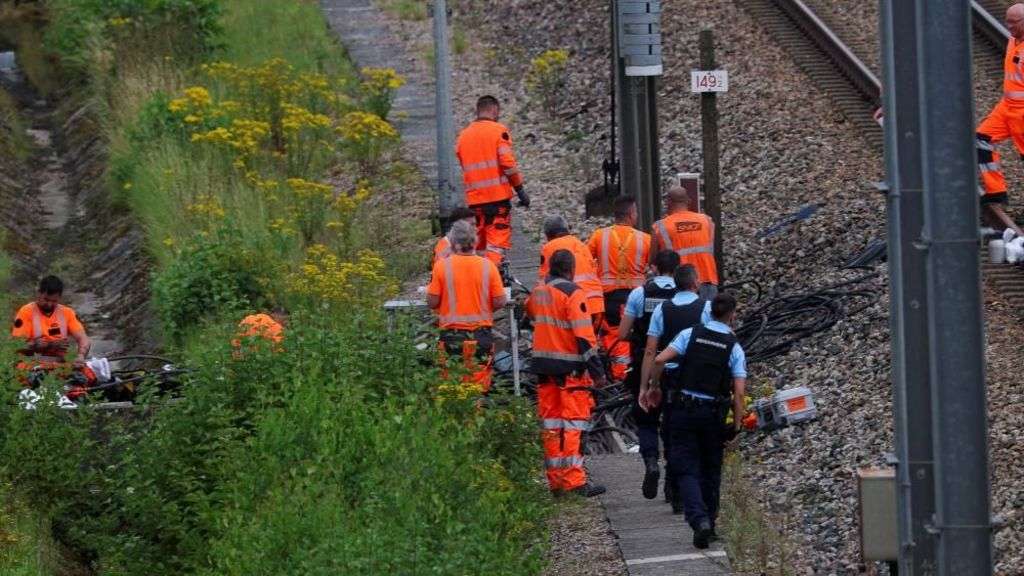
(366, 137)
(379, 86)
(328, 281)
(546, 79)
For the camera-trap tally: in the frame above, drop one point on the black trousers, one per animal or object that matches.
(696, 447)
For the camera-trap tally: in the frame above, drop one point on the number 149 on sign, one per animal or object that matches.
(709, 81)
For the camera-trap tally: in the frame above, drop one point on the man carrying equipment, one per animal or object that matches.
(465, 290)
(490, 174)
(622, 253)
(1005, 121)
(692, 236)
(45, 326)
(567, 364)
(712, 376)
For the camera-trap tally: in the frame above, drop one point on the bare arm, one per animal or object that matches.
(497, 303)
(625, 326)
(666, 355)
(433, 301)
(739, 401)
(84, 344)
(646, 367)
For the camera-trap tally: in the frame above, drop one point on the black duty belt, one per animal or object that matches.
(679, 397)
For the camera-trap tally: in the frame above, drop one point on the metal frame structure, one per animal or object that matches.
(941, 419)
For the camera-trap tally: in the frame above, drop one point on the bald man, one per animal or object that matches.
(1005, 121)
(692, 236)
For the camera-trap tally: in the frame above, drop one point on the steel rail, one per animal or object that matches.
(987, 25)
(829, 43)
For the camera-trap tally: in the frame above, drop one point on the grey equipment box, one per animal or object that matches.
(879, 527)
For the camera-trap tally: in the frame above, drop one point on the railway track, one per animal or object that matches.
(818, 48)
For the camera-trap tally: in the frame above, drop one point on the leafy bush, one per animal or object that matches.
(76, 26)
(546, 79)
(331, 456)
(214, 275)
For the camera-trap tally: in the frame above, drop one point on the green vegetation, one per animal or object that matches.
(262, 169)
(546, 80)
(754, 537)
(406, 9)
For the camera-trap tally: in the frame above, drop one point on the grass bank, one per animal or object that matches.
(263, 171)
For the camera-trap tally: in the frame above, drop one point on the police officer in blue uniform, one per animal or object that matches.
(712, 375)
(684, 310)
(636, 317)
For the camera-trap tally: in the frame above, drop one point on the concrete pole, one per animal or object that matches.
(709, 132)
(449, 180)
(956, 333)
(908, 297)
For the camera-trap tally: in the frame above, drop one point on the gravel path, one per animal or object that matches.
(783, 146)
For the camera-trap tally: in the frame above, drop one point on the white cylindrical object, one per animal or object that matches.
(997, 251)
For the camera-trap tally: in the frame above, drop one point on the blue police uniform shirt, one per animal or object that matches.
(737, 358)
(657, 325)
(635, 302)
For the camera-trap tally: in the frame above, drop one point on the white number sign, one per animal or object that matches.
(709, 81)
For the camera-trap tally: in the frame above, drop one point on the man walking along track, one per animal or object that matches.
(566, 361)
(490, 175)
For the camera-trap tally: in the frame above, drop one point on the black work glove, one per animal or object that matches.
(524, 198)
(729, 433)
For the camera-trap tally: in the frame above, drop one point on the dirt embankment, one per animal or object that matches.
(58, 215)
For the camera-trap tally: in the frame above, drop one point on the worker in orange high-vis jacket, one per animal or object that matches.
(490, 175)
(47, 328)
(692, 236)
(556, 230)
(1005, 121)
(622, 253)
(567, 364)
(443, 248)
(464, 291)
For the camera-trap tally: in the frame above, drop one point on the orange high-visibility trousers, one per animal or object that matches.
(564, 407)
(478, 365)
(1004, 122)
(493, 230)
(619, 351)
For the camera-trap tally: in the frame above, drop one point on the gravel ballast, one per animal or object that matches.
(783, 146)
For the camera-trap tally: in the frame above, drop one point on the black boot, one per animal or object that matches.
(588, 490)
(702, 535)
(652, 472)
(670, 487)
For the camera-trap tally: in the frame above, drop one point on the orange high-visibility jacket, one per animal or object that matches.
(692, 236)
(622, 254)
(466, 284)
(563, 336)
(30, 323)
(1013, 68)
(489, 169)
(586, 270)
(442, 249)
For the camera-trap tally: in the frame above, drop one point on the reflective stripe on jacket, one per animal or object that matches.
(586, 270)
(466, 291)
(692, 236)
(622, 253)
(1013, 73)
(489, 169)
(563, 336)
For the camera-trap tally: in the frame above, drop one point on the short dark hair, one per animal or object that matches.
(723, 305)
(486, 103)
(461, 213)
(666, 262)
(51, 285)
(622, 206)
(563, 264)
(685, 277)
